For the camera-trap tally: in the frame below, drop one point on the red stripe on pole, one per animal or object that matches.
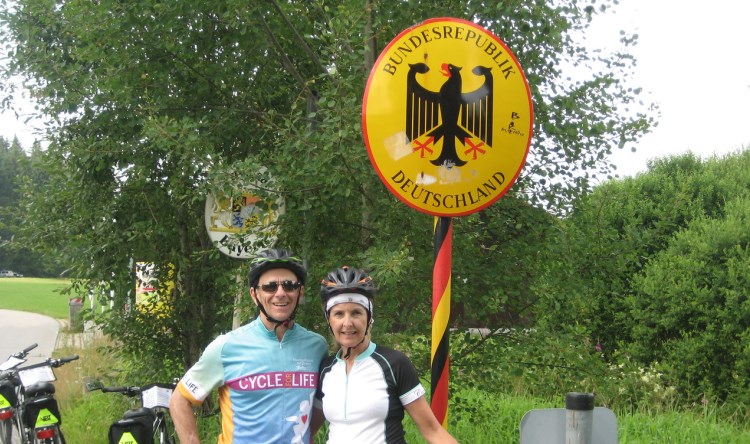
(441, 296)
(439, 400)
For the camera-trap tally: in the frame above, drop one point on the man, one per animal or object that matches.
(266, 371)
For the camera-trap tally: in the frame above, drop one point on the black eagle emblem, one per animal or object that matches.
(449, 114)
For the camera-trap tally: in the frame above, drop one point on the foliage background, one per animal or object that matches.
(158, 104)
(154, 105)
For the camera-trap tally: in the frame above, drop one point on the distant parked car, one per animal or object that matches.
(10, 274)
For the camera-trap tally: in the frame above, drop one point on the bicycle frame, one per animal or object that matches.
(160, 427)
(156, 397)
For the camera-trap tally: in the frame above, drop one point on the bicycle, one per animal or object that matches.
(147, 424)
(41, 419)
(10, 385)
(29, 394)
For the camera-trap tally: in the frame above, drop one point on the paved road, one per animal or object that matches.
(19, 329)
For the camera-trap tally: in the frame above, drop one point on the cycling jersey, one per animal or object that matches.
(367, 405)
(266, 386)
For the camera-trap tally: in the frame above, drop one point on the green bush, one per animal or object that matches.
(544, 366)
(692, 313)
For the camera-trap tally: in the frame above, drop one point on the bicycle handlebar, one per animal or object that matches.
(26, 350)
(61, 361)
(51, 362)
(134, 390)
(127, 391)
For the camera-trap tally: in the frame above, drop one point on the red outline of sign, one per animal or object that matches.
(383, 53)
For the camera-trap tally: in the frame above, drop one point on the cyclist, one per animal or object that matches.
(266, 371)
(365, 388)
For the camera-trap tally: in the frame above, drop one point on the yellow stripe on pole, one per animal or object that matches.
(440, 318)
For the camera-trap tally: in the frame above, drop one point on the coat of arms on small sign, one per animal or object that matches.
(236, 224)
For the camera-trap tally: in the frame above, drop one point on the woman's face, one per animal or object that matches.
(348, 322)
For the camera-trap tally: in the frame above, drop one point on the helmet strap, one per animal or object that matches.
(285, 322)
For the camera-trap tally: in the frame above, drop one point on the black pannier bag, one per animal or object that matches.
(136, 428)
(8, 392)
(41, 410)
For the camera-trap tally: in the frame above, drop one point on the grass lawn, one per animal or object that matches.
(36, 295)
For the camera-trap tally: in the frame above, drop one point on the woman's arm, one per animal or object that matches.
(427, 424)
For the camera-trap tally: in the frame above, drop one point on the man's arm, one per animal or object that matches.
(183, 418)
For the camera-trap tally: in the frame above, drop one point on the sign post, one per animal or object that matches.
(441, 310)
(447, 119)
(238, 225)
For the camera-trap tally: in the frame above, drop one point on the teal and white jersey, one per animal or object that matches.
(266, 386)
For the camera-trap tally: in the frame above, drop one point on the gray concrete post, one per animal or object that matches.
(579, 417)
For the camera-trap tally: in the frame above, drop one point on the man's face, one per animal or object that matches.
(278, 302)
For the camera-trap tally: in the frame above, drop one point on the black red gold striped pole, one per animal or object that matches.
(402, 110)
(441, 310)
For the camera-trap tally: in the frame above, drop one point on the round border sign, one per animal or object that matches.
(447, 117)
(237, 224)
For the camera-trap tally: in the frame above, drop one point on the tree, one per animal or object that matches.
(158, 104)
(9, 169)
(650, 266)
(15, 165)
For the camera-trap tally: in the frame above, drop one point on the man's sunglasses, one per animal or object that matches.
(272, 287)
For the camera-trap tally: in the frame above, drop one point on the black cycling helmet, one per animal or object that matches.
(270, 259)
(275, 258)
(346, 280)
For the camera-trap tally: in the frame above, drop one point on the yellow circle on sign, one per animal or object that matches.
(447, 117)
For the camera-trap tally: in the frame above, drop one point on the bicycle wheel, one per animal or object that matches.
(161, 432)
(6, 431)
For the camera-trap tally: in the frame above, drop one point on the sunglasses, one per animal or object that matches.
(272, 287)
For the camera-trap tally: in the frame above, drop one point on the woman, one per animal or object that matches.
(364, 389)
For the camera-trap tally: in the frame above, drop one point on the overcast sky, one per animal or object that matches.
(693, 60)
(12, 125)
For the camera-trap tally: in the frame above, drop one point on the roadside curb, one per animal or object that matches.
(67, 339)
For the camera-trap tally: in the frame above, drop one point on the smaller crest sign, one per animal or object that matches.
(239, 224)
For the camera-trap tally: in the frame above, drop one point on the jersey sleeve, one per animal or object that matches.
(408, 386)
(206, 374)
